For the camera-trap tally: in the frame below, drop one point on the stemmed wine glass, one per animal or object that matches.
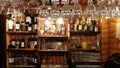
(44, 10)
(90, 10)
(77, 9)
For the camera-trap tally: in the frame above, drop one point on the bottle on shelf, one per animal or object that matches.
(22, 26)
(17, 42)
(28, 20)
(35, 24)
(12, 42)
(71, 24)
(30, 27)
(75, 23)
(85, 29)
(80, 26)
(97, 27)
(17, 26)
(35, 42)
(22, 43)
(11, 59)
(10, 25)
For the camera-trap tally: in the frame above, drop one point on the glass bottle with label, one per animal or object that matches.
(22, 44)
(12, 42)
(10, 25)
(17, 26)
(80, 26)
(17, 43)
(22, 26)
(27, 18)
(35, 25)
(97, 27)
(85, 26)
(71, 24)
(35, 42)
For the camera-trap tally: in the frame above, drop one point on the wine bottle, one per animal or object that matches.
(22, 26)
(80, 26)
(17, 26)
(30, 27)
(35, 25)
(35, 42)
(12, 42)
(28, 19)
(17, 43)
(22, 45)
(10, 25)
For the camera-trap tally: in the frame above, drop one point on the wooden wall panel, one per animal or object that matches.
(113, 42)
(104, 42)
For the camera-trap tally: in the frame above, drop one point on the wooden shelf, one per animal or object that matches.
(22, 66)
(88, 63)
(53, 36)
(54, 66)
(53, 50)
(21, 49)
(84, 33)
(84, 50)
(21, 32)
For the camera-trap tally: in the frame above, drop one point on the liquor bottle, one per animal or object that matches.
(75, 25)
(12, 42)
(97, 27)
(85, 26)
(17, 43)
(28, 19)
(22, 26)
(17, 26)
(71, 24)
(30, 27)
(91, 26)
(11, 59)
(22, 43)
(35, 42)
(10, 25)
(35, 24)
(80, 27)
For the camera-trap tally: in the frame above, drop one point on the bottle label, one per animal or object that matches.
(10, 26)
(17, 26)
(29, 28)
(11, 60)
(22, 44)
(91, 28)
(96, 29)
(80, 27)
(35, 42)
(75, 27)
(13, 43)
(28, 19)
(35, 26)
(17, 42)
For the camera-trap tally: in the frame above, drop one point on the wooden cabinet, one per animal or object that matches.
(53, 43)
(85, 47)
(21, 48)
